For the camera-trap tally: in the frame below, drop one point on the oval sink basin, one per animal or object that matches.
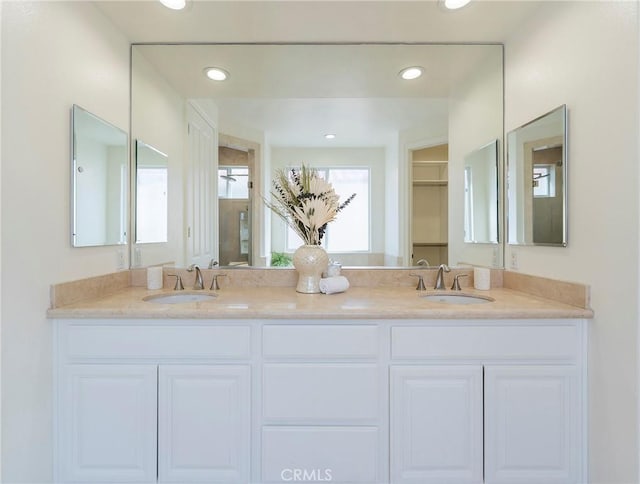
(181, 297)
(457, 298)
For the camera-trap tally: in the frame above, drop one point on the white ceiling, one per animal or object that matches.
(296, 93)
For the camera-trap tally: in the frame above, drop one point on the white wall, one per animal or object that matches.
(585, 54)
(53, 55)
(158, 119)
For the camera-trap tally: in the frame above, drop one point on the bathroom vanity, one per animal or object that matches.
(371, 386)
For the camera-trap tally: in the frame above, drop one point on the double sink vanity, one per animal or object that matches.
(256, 383)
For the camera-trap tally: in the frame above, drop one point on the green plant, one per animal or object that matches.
(280, 259)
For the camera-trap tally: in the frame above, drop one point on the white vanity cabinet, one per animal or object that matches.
(174, 413)
(500, 403)
(323, 395)
(342, 401)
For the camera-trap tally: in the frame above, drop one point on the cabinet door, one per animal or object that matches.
(436, 424)
(203, 424)
(107, 425)
(532, 424)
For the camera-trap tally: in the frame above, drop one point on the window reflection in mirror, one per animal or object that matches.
(481, 195)
(537, 179)
(99, 181)
(152, 177)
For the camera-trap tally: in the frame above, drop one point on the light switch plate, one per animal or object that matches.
(514, 259)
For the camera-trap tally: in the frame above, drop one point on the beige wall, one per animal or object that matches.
(53, 55)
(586, 55)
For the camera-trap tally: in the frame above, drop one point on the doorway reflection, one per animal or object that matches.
(234, 205)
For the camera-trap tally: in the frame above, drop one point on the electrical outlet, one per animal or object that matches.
(137, 257)
(120, 260)
(494, 257)
(514, 259)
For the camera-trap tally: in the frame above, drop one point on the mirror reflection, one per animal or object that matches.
(537, 181)
(99, 181)
(481, 195)
(278, 104)
(152, 173)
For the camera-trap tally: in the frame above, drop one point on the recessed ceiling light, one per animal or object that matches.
(174, 4)
(216, 74)
(411, 72)
(330, 136)
(454, 4)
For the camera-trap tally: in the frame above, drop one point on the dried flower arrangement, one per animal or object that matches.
(306, 202)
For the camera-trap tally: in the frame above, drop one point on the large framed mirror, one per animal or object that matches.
(537, 181)
(99, 181)
(277, 105)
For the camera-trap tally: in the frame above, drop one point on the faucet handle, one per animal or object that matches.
(420, 286)
(179, 286)
(214, 282)
(456, 282)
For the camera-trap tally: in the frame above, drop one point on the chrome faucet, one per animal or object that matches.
(198, 283)
(440, 278)
(423, 262)
(214, 282)
(420, 286)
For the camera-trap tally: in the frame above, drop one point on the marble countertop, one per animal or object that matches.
(286, 303)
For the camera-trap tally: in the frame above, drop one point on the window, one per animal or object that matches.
(544, 181)
(350, 231)
(233, 182)
(151, 204)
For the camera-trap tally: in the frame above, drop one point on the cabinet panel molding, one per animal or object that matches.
(321, 393)
(108, 424)
(203, 419)
(436, 424)
(532, 424)
(555, 342)
(320, 341)
(154, 341)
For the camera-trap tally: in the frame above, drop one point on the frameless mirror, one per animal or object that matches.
(99, 181)
(152, 179)
(481, 209)
(537, 181)
(353, 91)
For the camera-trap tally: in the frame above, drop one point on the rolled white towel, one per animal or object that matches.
(332, 285)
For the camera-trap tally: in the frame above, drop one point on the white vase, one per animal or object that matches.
(309, 261)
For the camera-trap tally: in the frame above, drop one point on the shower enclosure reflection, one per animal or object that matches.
(537, 181)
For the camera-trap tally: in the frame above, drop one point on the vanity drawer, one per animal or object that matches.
(336, 454)
(320, 393)
(155, 341)
(558, 342)
(320, 341)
